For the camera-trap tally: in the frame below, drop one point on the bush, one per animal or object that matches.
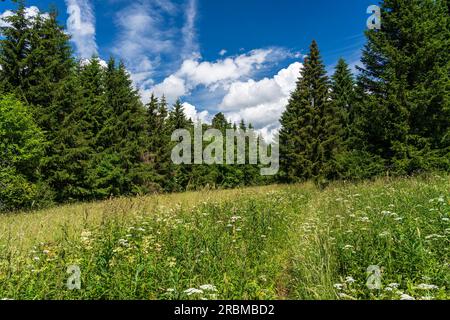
(21, 151)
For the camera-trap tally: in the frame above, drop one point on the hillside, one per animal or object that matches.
(275, 242)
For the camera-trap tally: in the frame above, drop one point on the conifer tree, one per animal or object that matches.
(120, 166)
(404, 109)
(343, 97)
(309, 133)
(14, 52)
(178, 120)
(66, 168)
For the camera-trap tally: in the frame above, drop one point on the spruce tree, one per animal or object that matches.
(66, 168)
(178, 120)
(343, 97)
(310, 127)
(14, 52)
(120, 166)
(404, 106)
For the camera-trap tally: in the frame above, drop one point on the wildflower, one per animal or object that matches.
(441, 199)
(45, 252)
(86, 236)
(141, 229)
(235, 218)
(393, 285)
(208, 287)
(424, 286)
(349, 280)
(404, 296)
(192, 291)
(123, 242)
(170, 290)
(348, 247)
(338, 286)
(384, 234)
(434, 236)
(36, 258)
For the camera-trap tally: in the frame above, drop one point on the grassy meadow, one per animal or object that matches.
(273, 242)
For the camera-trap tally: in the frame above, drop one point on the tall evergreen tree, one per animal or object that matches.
(182, 174)
(309, 133)
(66, 168)
(50, 62)
(14, 52)
(404, 109)
(159, 152)
(120, 166)
(343, 97)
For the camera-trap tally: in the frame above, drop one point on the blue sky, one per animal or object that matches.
(240, 57)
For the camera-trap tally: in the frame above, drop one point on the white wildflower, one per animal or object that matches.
(434, 236)
(192, 291)
(404, 296)
(349, 279)
(338, 286)
(424, 286)
(384, 234)
(235, 218)
(208, 287)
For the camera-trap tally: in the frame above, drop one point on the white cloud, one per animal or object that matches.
(85, 62)
(147, 38)
(212, 75)
(172, 88)
(191, 48)
(81, 26)
(30, 12)
(261, 102)
(191, 113)
(222, 52)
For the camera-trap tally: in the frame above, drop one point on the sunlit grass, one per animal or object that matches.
(275, 242)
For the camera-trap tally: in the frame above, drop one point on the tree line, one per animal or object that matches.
(77, 131)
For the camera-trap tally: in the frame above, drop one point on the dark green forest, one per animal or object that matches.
(74, 130)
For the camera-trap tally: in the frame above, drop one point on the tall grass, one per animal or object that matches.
(278, 242)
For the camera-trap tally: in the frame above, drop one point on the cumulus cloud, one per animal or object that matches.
(192, 113)
(261, 102)
(172, 88)
(81, 26)
(212, 75)
(30, 12)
